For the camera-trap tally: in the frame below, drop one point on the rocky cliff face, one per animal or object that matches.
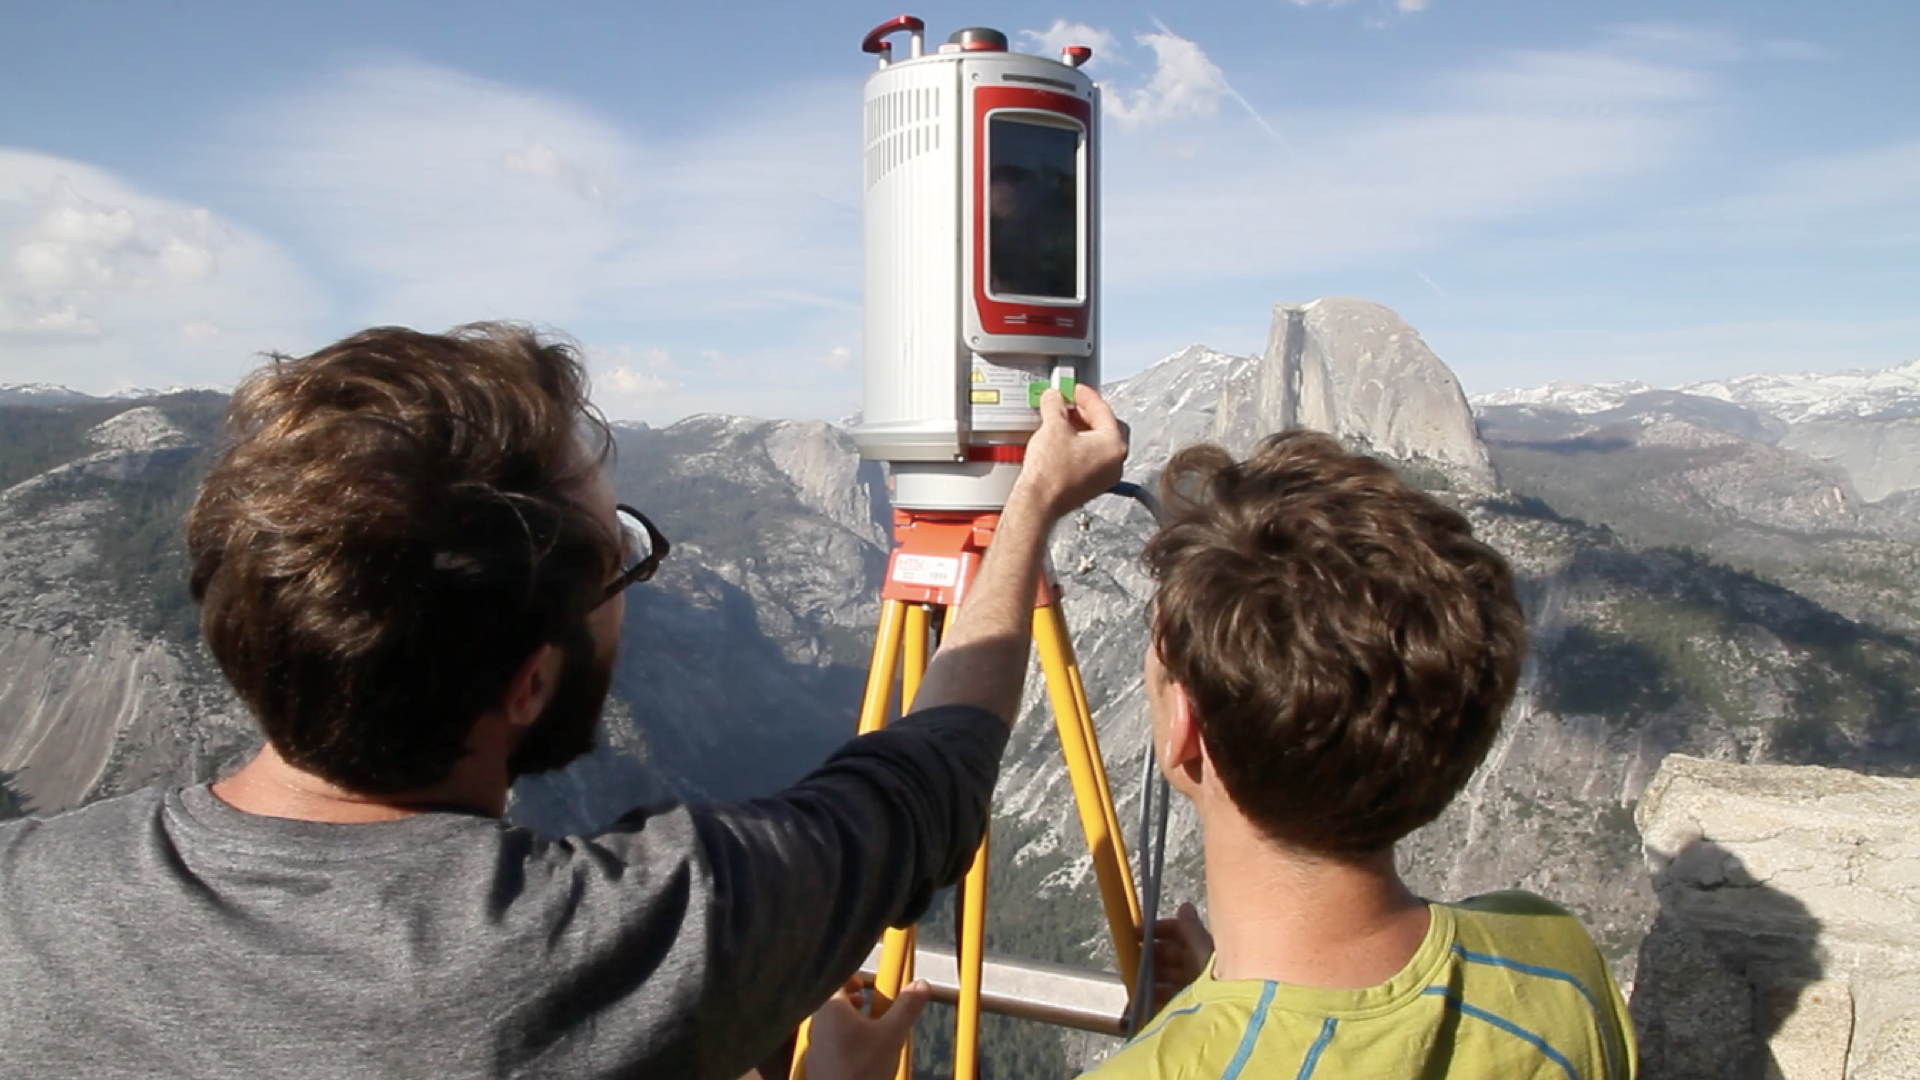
(1354, 369)
(92, 700)
(1881, 457)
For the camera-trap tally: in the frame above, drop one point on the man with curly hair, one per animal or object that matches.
(411, 568)
(1331, 654)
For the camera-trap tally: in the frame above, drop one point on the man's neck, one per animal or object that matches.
(1294, 918)
(271, 787)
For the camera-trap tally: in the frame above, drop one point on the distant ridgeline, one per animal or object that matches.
(1725, 571)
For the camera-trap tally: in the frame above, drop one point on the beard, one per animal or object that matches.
(567, 728)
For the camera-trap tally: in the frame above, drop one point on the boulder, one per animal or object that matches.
(1788, 939)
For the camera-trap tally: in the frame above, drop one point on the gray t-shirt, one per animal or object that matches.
(168, 934)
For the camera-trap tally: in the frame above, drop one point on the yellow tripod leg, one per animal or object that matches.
(1104, 789)
(970, 956)
(886, 656)
(913, 657)
(897, 945)
(1081, 749)
(873, 717)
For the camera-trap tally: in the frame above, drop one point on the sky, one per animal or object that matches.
(1581, 190)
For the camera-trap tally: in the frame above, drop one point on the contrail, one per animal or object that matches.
(1236, 95)
(1431, 284)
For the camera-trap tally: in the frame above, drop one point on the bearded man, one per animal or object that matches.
(411, 568)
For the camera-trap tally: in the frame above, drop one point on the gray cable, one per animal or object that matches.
(1155, 795)
(1156, 802)
(1149, 895)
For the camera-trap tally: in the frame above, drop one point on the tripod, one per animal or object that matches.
(935, 556)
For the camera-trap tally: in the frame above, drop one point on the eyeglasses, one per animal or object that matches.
(641, 548)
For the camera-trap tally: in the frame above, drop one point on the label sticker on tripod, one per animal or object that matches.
(935, 570)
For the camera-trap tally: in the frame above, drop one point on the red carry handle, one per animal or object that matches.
(876, 38)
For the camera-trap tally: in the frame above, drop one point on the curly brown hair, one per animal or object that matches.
(391, 528)
(1346, 644)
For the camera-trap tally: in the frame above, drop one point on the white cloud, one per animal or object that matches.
(626, 382)
(448, 197)
(798, 379)
(1053, 39)
(442, 198)
(1705, 44)
(99, 281)
(1868, 197)
(25, 318)
(1185, 83)
(1515, 135)
(538, 159)
(69, 241)
(628, 372)
(1788, 49)
(1372, 22)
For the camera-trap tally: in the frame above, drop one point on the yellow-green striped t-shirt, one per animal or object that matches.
(1507, 985)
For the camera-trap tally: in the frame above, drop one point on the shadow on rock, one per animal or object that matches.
(1728, 984)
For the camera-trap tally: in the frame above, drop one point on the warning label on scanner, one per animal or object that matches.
(998, 396)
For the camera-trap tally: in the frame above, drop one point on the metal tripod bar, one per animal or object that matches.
(1061, 994)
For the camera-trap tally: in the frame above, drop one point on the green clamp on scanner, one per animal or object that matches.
(1035, 389)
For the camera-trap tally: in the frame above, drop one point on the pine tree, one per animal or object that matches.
(12, 803)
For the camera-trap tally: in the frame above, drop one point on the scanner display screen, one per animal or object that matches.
(1033, 207)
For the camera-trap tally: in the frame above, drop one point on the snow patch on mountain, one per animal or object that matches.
(1571, 396)
(144, 428)
(40, 394)
(1878, 395)
(1889, 393)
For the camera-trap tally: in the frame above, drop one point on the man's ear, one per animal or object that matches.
(1184, 756)
(532, 686)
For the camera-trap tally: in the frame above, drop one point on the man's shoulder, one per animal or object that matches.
(1516, 902)
(1191, 1037)
(107, 819)
(1531, 962)
(50, 864)
(1519, 930)
(1517, 922)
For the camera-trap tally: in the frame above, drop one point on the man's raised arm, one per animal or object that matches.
(1077, 454)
